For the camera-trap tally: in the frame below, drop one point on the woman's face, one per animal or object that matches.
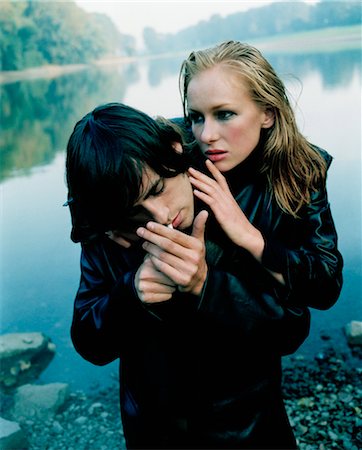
(226, 122)
(167, 200)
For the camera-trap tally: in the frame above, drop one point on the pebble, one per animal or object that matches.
(324, 410)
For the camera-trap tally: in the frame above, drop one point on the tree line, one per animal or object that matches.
(34, 33)
(271, 20)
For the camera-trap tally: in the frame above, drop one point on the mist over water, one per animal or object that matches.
(40, 265)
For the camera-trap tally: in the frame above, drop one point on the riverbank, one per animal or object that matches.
(323, 399)
(323, 40)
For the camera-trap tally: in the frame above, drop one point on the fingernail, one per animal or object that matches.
(140, 232)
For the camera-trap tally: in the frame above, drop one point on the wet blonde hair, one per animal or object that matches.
(293, 167)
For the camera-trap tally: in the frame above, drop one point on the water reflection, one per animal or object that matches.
(41, 274)
(37, 116)
(335, 68)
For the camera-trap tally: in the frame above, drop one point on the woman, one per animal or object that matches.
(198, 340)
(266, 186)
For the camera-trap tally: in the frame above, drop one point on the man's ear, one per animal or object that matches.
(178, 147)
(269, 118)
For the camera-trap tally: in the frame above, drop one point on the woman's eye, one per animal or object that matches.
(224, 115)
(195, 117)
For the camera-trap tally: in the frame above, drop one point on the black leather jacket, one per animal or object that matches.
(204, 372)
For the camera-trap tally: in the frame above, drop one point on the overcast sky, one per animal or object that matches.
(164, 16)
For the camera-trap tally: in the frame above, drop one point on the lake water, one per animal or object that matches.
(40, 265)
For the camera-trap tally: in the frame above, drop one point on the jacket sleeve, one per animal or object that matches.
(313, 270)
(103, 309)
(254, 315)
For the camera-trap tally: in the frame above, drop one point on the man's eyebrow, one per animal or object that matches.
(150, 188)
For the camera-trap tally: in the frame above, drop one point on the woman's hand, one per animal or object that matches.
(151, 285)
(216, 194)
(178, 256)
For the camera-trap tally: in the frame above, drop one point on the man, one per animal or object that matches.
(198, 327)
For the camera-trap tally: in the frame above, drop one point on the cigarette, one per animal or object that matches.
(170, 226)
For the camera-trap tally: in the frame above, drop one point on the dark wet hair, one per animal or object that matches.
(107, 153)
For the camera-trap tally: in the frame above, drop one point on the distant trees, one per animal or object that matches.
(274, 19)
(34, 33)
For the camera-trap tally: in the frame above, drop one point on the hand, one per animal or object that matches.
(118, 238)
(151, 285)
(216, 194)
(178, 256)
(126, 236)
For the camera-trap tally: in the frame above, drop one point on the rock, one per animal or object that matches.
(40, 402)
(11, 436)
(57, 428)
(353, 332)
(81, 420)
(23, 356)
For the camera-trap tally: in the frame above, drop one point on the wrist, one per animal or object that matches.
(255, 244)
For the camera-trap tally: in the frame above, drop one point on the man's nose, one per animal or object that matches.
(158, 210)
(209, 132)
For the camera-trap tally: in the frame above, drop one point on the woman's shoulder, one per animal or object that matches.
(323, 153)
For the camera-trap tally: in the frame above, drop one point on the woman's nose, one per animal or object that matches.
(158, 210)
(209, 132)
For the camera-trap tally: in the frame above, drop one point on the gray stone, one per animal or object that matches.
(57, 428)
(23, 356)
(11, 436)
(81, 420)
(353, 332)
(40, 402)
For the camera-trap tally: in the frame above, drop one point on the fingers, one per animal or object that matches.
(181, 273)
(166, 238)
(178, 256)
(118, 239)
(151, 285)
(198, 228)
(215, 172)
(178, 251)
(154, 292)
(218, 177)
(208, 186)
(149, 273)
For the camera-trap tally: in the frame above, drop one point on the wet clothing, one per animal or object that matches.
(204, 372)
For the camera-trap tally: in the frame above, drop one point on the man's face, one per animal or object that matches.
(167, 200)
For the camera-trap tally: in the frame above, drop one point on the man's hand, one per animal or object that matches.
(178, 256)
(151, 285)
(118, 238)
(126, 236)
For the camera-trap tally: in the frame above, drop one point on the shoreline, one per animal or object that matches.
(321, 40)
(50, 71)
(323, 400)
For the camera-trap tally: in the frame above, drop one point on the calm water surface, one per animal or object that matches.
(39, 263)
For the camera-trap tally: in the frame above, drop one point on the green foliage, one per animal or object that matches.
(34, 33)
(276, 19)
(37, 116)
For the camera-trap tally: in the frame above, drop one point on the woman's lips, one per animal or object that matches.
(216, 155)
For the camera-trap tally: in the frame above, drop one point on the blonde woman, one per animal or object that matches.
(265, 185)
